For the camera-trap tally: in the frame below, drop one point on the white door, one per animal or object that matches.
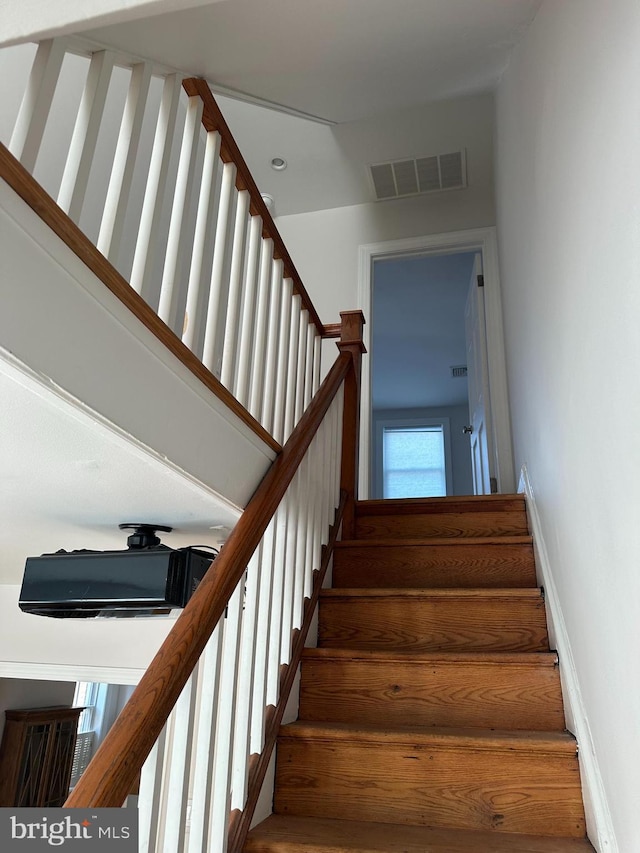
(479, 428)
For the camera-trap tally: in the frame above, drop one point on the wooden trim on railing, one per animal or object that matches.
(332, 330)
(240, 821)
(12, 171)
(212, 119)
(110, 775)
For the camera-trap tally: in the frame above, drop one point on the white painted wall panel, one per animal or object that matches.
(568, 173)
(62, 322)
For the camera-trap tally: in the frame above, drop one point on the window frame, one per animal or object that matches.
(410, 423)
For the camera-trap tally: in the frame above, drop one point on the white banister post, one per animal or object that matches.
(265, 598)
(224, 734)
(82, 147)
(36, 103)
(248, 313)
(179, 767)
(217, 289)
(192, 321)
(209, 668)
(115, 205)
(179, 208)
(150, 797)
(236, 280)
(274, 333)
(143, 259)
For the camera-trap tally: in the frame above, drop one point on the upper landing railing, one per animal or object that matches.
(143, 162)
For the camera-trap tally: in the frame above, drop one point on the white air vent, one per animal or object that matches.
(402, 178)
(459, 372)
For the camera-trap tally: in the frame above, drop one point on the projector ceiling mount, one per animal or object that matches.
(144, 535)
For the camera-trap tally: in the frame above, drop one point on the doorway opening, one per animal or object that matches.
(419, 386)
(476, 437)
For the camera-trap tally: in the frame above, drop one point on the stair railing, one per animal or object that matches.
(231, 658)
(179, 216)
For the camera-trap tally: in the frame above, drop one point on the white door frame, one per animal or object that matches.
(476, 239)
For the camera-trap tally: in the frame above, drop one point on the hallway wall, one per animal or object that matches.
(568, 172)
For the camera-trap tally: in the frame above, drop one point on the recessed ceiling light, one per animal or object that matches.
(278, 163)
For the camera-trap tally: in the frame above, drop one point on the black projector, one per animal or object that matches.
(147, 579)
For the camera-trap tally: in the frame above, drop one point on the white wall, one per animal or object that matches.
(20, 693)
(75, 649)
(568, 173)
(324, 243)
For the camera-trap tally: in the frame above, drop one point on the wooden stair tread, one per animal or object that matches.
(389, 592)
(424, 736)
(549, 659)
(455, 542)
(291, 834)
(466, 503)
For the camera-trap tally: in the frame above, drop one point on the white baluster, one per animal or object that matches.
(209, 686)
(309, 366)
(150, 797)
(259, 350)
(259, 698)
(202, 234)
(267, 417)
(317, 358)
(300, 561)
(235, 290)
(85, 135)
(293, 501)
(36, 103)
(178, 768)
(292, 366)
(217, 289)
(179, 208)
(302, 366)
(144, 255)
(115, 205)
(248, 312)
(220, 802)
(282, 367)
(246, 680)
(312, 562)
(275, 628)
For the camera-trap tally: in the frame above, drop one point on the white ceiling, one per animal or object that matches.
(418, 331)
(339, 60)
(68, 479)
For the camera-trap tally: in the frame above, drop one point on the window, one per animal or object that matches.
(414, 459)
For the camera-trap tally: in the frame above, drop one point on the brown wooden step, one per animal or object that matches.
(502, 562)
(487, 690)
(419, 518)
(432, 620)
(288, 834)
(524, 782)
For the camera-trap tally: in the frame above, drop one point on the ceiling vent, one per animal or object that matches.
(459, 372)
(402, 178)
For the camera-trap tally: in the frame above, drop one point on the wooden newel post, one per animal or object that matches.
(351, 341)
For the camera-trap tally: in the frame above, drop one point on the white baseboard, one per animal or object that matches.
(599, 823)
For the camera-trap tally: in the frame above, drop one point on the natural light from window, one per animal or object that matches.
(413, 461)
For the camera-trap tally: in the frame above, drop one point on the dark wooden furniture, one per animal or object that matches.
(36, 756)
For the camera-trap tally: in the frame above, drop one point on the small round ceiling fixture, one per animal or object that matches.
(279, 164)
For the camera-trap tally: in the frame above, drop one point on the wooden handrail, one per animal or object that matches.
(21, 181)
(111, 774)
(212, 119)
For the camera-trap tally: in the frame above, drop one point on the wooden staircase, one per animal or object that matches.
(431, 716)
